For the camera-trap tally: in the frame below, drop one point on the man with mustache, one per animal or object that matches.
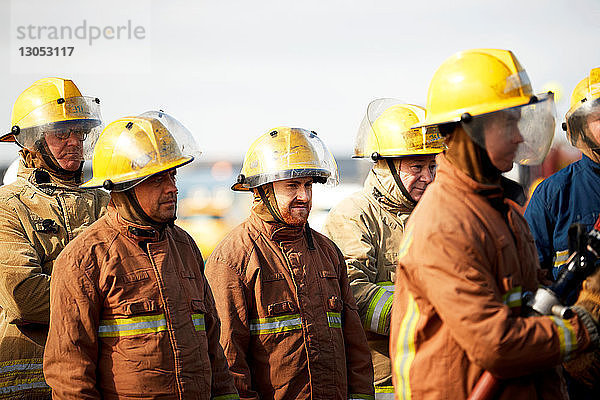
(368, 226)
(132, 315)
(290, 326)
(467, 256)
(43, 210)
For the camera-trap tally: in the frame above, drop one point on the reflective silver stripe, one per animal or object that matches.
(566, 336)
(384, 393)
(380, 311)
(20, 367)
(132, 326)
(512, 298)
(24, 386)
(334, 319)
(560, 258)
(389, 286)
(275, 324)
(198, 320)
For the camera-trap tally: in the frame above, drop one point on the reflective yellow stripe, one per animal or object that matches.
(20, 375)
(384, 393)
(405, 349)
(406, 242)
(18, 385)
(334, 319)
(560, 258)
(227, 397)
(566, 334)
(284, 323)
(132, 326)
(512, 298)
(13, 367)
(378, 310)
(198, 320)
(387, 285)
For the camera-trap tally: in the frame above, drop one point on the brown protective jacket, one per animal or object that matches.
(368, 228)
(38, 217)
(463, 268)
(290, 326)
(133, 324)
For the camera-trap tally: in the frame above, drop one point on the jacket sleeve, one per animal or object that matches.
(24, 288)
(222, 381)
(452, 272)
(541, 223)
(358, 238)
(230, 300)
(71, 352)
(358, 357)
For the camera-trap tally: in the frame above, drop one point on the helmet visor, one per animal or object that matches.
(69, 128)
(583, 126)
(132, 149)
(526, 130)
(386, 131)
(286, 156)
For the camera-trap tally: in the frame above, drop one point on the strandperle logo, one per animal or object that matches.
(84, 31)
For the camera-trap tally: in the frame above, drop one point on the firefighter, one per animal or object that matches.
(467, 255)
(368, 225)
(571, 196)
(43, 210)
(290, 325)
(132, 315)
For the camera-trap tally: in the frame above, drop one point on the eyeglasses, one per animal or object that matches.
(63, 134)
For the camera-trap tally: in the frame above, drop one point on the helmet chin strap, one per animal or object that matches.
(392, 167)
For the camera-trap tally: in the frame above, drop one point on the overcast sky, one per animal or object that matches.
(231, 70)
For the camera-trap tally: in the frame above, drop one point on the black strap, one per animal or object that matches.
(263, 197)
(309, 238)
(392, 168)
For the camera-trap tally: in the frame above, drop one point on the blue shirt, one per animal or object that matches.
(571, 195)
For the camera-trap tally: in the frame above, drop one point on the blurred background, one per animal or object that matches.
(232, 70)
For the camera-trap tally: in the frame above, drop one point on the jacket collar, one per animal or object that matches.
(276, 231)
(135, 231)
(374, 188)
(43, 180)
(448, 173)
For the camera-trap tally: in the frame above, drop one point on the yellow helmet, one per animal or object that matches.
(285, 153)
(54, 105)
(132, 149)
(584, 102)
(386, 131)
(476, 86)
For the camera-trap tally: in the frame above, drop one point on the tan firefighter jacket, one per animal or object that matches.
(38, 217)
(290, 326)
(466, 259)
(368, 227)
(133, 317)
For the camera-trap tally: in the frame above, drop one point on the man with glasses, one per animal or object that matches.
(56, 128)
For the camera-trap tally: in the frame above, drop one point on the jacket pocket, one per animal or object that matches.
(135, 276)
(282, 307)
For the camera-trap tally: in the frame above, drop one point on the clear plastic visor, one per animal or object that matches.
(526, 130)
(394, 137)
(583, 126)
(66, 130)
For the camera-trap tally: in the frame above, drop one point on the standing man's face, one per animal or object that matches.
(416, 173)
(66, 145)
(294, 199)
(157, 196)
